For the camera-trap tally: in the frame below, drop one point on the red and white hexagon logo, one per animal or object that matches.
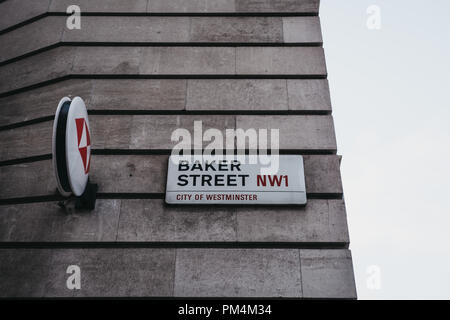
(84, 143)
(78, 146)
(71, 150)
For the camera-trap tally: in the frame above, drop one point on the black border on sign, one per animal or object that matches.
(60, 146)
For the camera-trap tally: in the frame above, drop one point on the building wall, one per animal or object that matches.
(144, 69)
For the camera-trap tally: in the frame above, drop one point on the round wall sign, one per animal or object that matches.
(71, 146)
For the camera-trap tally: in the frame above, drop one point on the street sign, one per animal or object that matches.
(234, 180)
(71, 147)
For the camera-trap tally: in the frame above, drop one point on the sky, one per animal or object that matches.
(390, 94)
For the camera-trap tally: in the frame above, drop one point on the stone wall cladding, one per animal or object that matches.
(145, 68)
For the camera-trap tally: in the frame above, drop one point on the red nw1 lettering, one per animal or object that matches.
(273, 180)
(260, 181)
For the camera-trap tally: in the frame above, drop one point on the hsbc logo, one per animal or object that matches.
(71, 147)
(84, 143)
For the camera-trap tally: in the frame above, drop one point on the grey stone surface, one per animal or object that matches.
(128, 6)
(130, 174)
(133, 94)
(143, 94)
(323, 183)
(47, 222)
(154, 60)
(138, 132)
(41, 67)
(28, 141)
(13, 12)
(104, 29)
(192, 6)
(65, 61)
(280, 61)
(304, 29)
(118, 272)
(34, 36)
(17, 108)
(251, 94)
(327, 274)
(153, 220)
(188, 60)
(141, 174)
(149, 131)
(237, 29)
(309, 95)
(319, 221)
(24, 272)
(27, 180)
(130, 29)
(106, 60)
(195, 29)
(277, 5)
(245, 94)
(237, 273)
(104, 272)
(113, 132)
(168, 94)
(178, 272)
(143, 127)
(295, 132)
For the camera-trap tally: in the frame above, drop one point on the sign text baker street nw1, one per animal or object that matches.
(233, 181)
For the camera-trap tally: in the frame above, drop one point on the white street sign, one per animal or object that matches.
(230, 181)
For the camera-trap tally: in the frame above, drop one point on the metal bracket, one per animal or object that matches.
(88, 198)
(84, 202)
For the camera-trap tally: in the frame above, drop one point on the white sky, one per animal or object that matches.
(390, 94)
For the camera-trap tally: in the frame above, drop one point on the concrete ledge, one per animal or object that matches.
(47, 222)
(142, 174)
(320, 222)
(16, 12)
(105, 272)
(34, 36)
(327, 274)
(26, 141)
(39, 68)
(258, 95)
(13, 12)
(192, 6)
(108, 6)
(174, 272)
(163, 61)
(296, 132)
(237, 273)
(171, 95)
(17, 108)
(154, 30)
(277, 5)
(280, 60)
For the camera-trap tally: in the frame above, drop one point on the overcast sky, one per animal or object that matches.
(391, 105)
